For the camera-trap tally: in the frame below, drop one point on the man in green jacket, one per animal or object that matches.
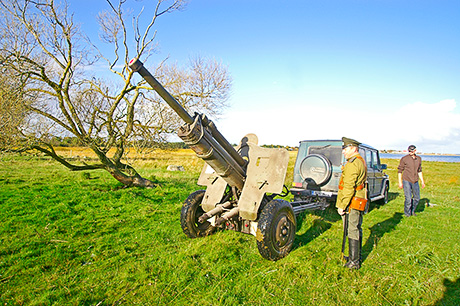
(352, 185)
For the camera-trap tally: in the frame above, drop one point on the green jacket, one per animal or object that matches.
(352, 181)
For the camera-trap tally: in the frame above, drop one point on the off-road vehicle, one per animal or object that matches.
(318, 168)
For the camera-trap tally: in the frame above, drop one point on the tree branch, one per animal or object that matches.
(52, 153)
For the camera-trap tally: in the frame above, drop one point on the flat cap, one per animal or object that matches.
(349, 142)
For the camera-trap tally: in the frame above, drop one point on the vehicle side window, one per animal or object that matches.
(369, 159)
(362, 153)
(375, 160)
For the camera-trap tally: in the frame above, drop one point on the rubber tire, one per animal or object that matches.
(276, 230)
(385, 198)
(314, 159)
(191, 211)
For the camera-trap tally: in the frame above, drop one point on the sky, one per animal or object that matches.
(384, 72)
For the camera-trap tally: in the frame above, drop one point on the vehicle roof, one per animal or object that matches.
(337, 140)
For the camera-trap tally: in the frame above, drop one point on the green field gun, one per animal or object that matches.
(241, 183)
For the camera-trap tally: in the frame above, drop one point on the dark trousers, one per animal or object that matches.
(355, 221)
(355, 238)
(412, 195)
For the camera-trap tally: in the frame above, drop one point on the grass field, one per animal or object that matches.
(79, 238)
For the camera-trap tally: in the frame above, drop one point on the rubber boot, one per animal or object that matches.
(354, 260)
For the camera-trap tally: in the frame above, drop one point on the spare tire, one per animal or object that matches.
(316, 169)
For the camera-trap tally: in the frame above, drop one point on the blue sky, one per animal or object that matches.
(381, 71)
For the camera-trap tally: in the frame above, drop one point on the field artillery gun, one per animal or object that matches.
(241, 183)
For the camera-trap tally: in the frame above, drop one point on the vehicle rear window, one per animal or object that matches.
(333, 153)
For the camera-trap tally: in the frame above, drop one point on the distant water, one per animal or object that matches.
(438, 158)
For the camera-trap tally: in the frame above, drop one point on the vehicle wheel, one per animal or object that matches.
(316, 168)
(385, 195)
(276, 230)
(191, 211)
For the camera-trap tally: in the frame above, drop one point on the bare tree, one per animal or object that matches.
(44, 49)
(13, 112)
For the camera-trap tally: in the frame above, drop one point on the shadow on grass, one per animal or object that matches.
(392, 196)
(378, 204)
(327, 217)
(378, 231)
(330, 215)
(319, 226)
(422, 204)
(451, 293)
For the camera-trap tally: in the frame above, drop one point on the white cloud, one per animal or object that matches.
(433, 128)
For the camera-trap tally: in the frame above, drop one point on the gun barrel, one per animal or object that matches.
(137, 66)
(201, 135)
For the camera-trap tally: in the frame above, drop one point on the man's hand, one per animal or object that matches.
(400, 185)
(341, 211)
(423, 184)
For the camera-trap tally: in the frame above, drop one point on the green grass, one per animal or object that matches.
(70, 238)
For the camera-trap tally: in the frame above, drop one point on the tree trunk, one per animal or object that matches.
(134, 180)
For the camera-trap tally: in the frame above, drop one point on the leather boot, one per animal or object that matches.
(354, 260)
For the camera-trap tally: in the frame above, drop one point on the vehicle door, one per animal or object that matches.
(378, 173)
(370, 172)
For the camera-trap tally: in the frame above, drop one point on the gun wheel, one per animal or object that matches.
(191, 211)
(276, 230)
